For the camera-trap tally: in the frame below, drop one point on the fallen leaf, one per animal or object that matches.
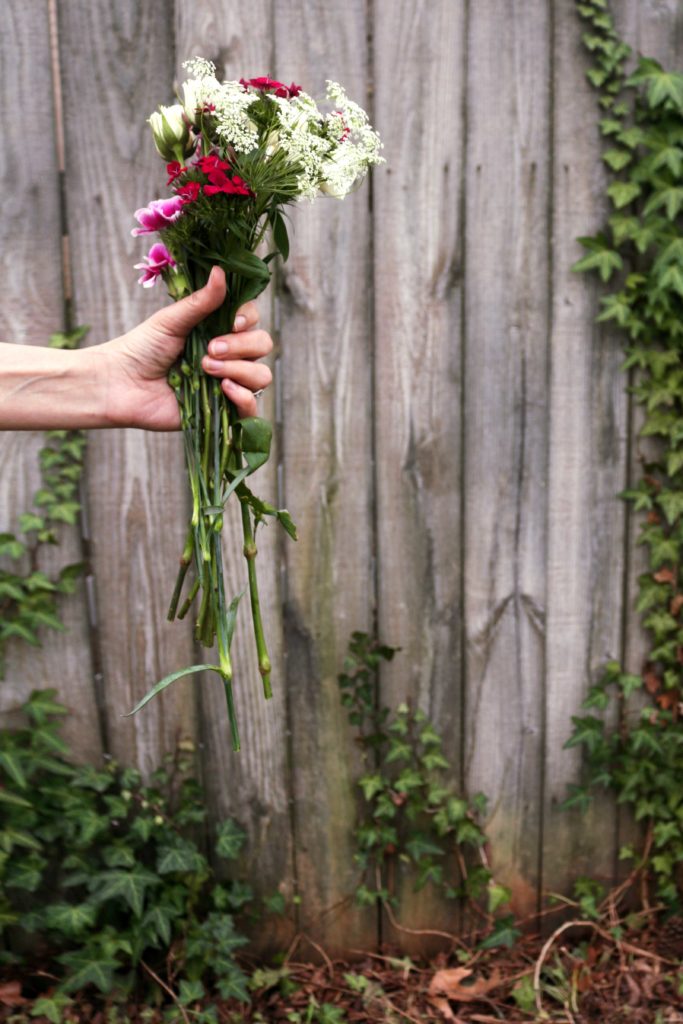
(664, 576)
(449, 983)
(10, 994)
(652, 681)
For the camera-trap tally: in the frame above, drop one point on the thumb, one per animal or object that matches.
(182, 316)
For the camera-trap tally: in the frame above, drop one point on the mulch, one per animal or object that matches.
(580, 974)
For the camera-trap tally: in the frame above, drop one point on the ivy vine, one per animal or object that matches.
(412, 814)
(29, 596)
(639, 253)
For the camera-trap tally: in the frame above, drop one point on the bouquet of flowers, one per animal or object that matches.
(237, 153)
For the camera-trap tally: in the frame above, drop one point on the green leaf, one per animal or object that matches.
(420, 845)
(11, 762)
(617, 159)
(600, 257)
(10, 546)
(180, 855)
(29, 522)
(623, 192)
(672, 504)
(130, 886)
(167, 680)
(230, 839)
(504, 934)
(371, 785)
(52, 1007)
(71, 919)
(280, 236)
(255, 441)
(498, 895)
(86, 970)
(662, 86)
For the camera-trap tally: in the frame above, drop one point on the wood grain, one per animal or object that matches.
(32, 309)
(324, 318)
(505, 412)
(418, 246)
(252, 786)
(117, 66)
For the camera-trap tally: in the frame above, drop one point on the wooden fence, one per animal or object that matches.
(452, 427)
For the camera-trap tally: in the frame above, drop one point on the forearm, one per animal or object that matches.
(50, 389)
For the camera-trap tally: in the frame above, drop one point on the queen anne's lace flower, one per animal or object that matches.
(233, 124)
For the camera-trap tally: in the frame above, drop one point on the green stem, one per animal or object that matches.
(185, 560)
(250, 553)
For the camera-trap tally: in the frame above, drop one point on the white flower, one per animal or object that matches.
(199, 67)
(233, 124)
(170, 132)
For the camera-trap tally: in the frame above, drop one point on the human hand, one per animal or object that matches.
(136, 365)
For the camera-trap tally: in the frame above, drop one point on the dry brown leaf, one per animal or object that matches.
(10, 994)
(449, 983)
(664, 576)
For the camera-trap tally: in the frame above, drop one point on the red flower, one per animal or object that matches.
(174, 170)
(189, 192)
(265, 84)
(212, 163)
(231, 187)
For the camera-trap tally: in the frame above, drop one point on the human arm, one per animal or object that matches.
(122, 383)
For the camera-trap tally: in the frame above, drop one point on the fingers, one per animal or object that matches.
(231, 358)
(179, 319)
(242, 398)
(247, 316)
(242, 345)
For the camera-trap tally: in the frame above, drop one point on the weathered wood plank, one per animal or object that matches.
(32, 309)
(327, 452)
(505, 426)
(588, 442)
(252, 786)
(117, 63)
(417, 401)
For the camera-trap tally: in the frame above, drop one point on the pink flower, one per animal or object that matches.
(158, 215)
(157, 260)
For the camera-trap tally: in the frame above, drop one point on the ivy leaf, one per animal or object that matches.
(230, 839)
(661, 85)
(600, 257)
(672, 504)
(670, 197)
(371, 785)
(88, 970)
(180, 855)
(71, 919)
(420, 845)
(623, 192)
(617, 159)
(504, 934)
(130, 886)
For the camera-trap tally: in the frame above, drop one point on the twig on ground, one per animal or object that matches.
(168, 990)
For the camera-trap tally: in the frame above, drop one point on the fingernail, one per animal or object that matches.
(211, 364)
(218, 348)
(240, 322)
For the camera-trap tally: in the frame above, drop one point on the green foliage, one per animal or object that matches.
(28, 596)
(412, 814)
(641, 248)
(100, 872)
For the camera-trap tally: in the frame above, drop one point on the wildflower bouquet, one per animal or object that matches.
(237, 154)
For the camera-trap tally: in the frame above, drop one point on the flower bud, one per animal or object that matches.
(177, 285)
(171, 133)
(194, 91)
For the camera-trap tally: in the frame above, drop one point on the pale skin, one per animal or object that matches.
(122, 383)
